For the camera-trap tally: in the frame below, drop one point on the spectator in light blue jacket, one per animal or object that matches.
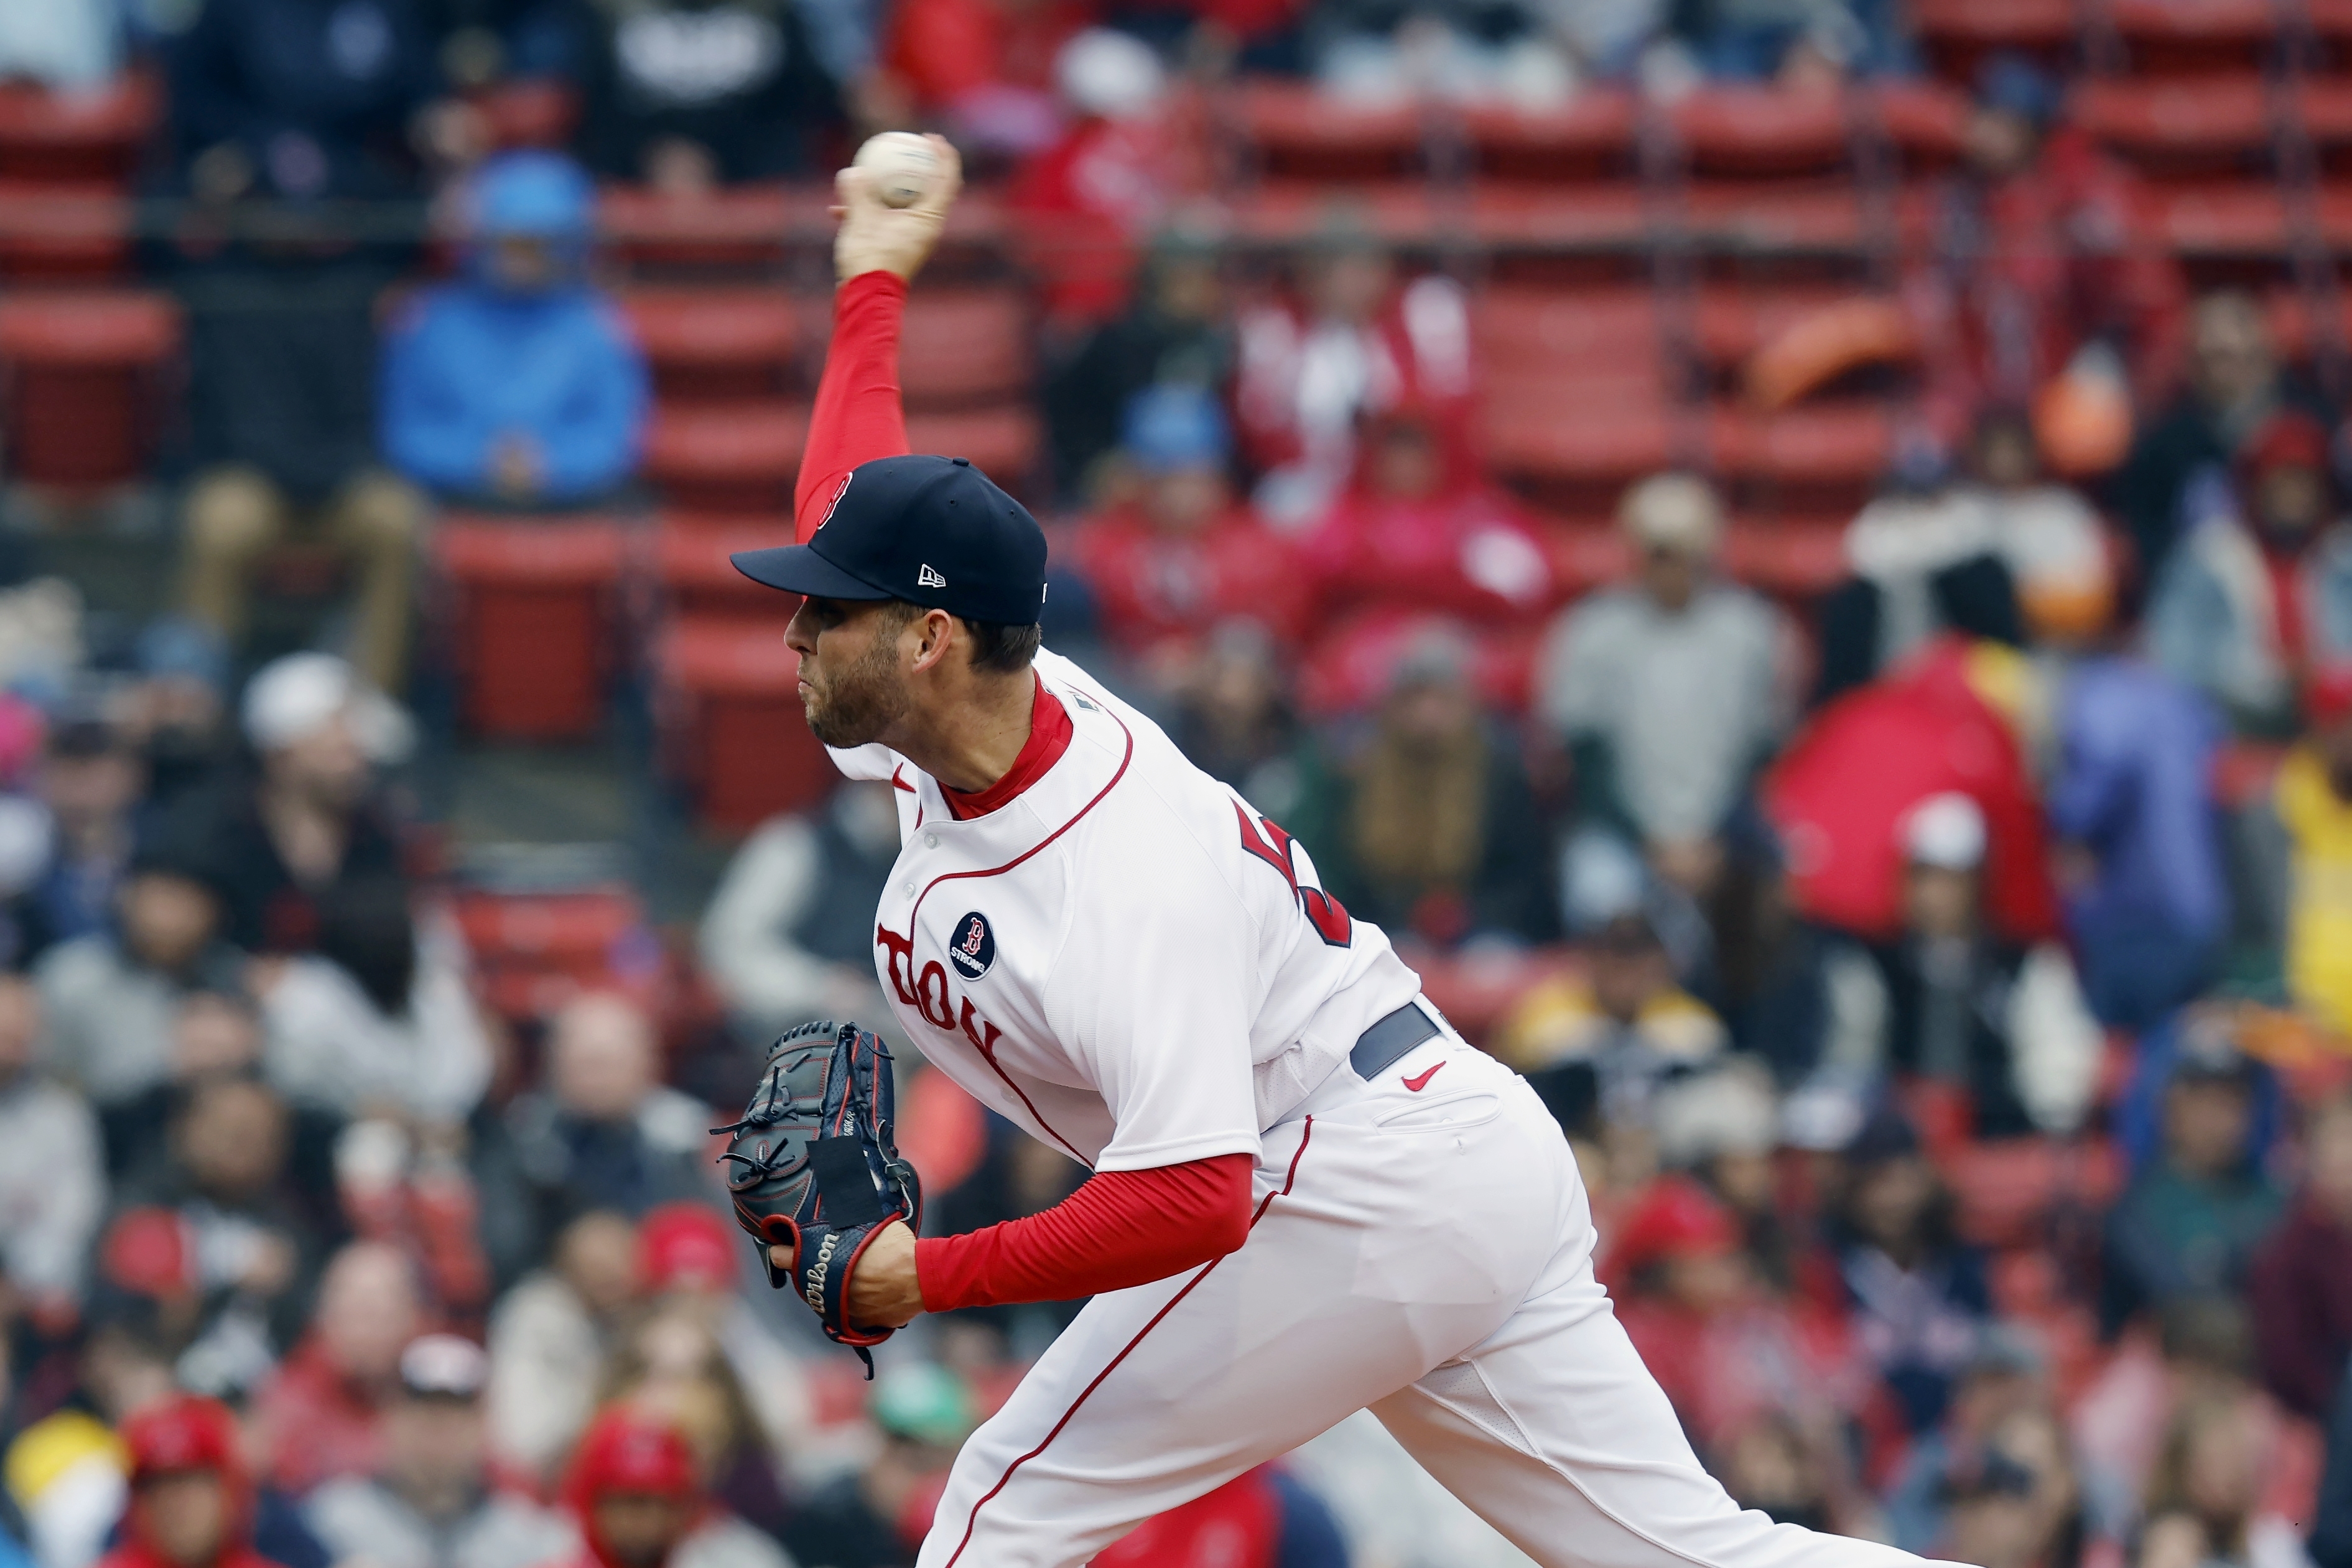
(518, 386)
(2134, 794)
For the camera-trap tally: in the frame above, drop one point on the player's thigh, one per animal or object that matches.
(1156, 1394)
(1555, 1433)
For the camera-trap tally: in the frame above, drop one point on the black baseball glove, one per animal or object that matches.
(812, 1168)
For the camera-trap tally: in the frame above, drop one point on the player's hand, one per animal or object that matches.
(883, 1291)
(875, 238)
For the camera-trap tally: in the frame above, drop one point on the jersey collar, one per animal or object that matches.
(1049, 738)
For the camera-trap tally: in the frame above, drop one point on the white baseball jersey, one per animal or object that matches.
(1125, 960)
(1133, 964)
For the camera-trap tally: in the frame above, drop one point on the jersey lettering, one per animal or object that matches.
(1323, 912)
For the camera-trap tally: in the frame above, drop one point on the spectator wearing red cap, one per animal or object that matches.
(2311, 823)
(1723, 1349)
(191, 1500)
(638, 1500)
(434, 1502)
(2258, 592)
(688, 1258)
(672, 1365)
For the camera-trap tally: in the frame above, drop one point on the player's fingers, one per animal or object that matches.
(943, 191)
(781, 1257)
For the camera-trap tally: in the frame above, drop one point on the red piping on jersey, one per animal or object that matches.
(986, 1055)
(972, 1522)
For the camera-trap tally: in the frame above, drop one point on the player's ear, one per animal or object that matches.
(934, 633)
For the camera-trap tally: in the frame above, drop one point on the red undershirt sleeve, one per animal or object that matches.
(1121, 1228)
(857, 416)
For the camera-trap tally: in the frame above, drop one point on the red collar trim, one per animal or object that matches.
(1049, 736)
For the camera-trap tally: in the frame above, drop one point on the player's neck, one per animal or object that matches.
(971, 738)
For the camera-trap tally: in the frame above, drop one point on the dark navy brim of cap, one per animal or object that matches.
(797, 569)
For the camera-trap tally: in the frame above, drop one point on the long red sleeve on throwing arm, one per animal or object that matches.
(1121, 1228)
(857, 416)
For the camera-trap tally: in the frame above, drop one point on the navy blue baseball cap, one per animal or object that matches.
(934, 531)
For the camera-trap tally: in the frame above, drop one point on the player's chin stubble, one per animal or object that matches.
(856, 706)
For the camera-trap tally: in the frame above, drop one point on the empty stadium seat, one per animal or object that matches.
(740, 459)
(1575, 459)
(1523, 329)
(690, 562)
(716, 344)
(63, 233)
(1921, 120)
(1728, 131)
(1764, 219)
(79, 372)
(1808, 460)
(534, 613)
(2180, 129)
(1732, 322)
(1794, 558)
(1608, 218)
(77, 136)
(534, 952)
(2323, 109)
(732, 726)
(1300, 132)
(1959, 34)
(2233, 221)
(1589, 138)
(2193, 38)
(1289, 211)
(2007, 1188)
(1586, 556)
(744, 227)
(967, 347)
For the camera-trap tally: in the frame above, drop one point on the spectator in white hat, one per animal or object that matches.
(1669, 691)
(309, 815)
(1948, 1001)
(434, 1503)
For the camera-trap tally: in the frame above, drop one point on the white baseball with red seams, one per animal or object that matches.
(1156, 977)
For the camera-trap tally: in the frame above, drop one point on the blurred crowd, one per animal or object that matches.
(1942, 966)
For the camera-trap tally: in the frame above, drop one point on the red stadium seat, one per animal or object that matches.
(2233, 221)
(736, 459)
(965, 348)
(2194, 37)
(1586, 556)
(732, 721)
(79, 369)
(1302, 133)
(1922, 121)
(1349, 667)
(1958, 34)
(1750, 132)
(1287, 211)
(1003, 443)
(77, 136)
(2323, 107)
(1604, 217)
(1762, 219)
(1574, 455)
(2176, 128)
(1789, 559)
(716, 345)
(1733, 322)
(63, 234)
(534, 952)
(742, 228)
(2007, 1190)
(1590, 138)
(690, 560)
(1518, 329)
(1806, 460)
(534, 612)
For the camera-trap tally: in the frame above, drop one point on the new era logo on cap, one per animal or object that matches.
(931, 530)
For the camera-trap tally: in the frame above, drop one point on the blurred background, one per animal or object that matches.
(1792, 553)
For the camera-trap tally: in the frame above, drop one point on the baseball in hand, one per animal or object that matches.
(901, 164)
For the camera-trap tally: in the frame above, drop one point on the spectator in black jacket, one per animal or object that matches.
(685, 94)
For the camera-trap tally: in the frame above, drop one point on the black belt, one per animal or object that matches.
(1384, 1044)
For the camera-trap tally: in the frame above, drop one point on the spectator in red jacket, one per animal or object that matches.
(2301, 1284)
(191, 1500)
(985, 67)
(323, 1416)
(1354, 344)
(1418, 527)
(1183, 555)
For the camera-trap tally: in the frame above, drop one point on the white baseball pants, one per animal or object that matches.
(1427, 1254)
